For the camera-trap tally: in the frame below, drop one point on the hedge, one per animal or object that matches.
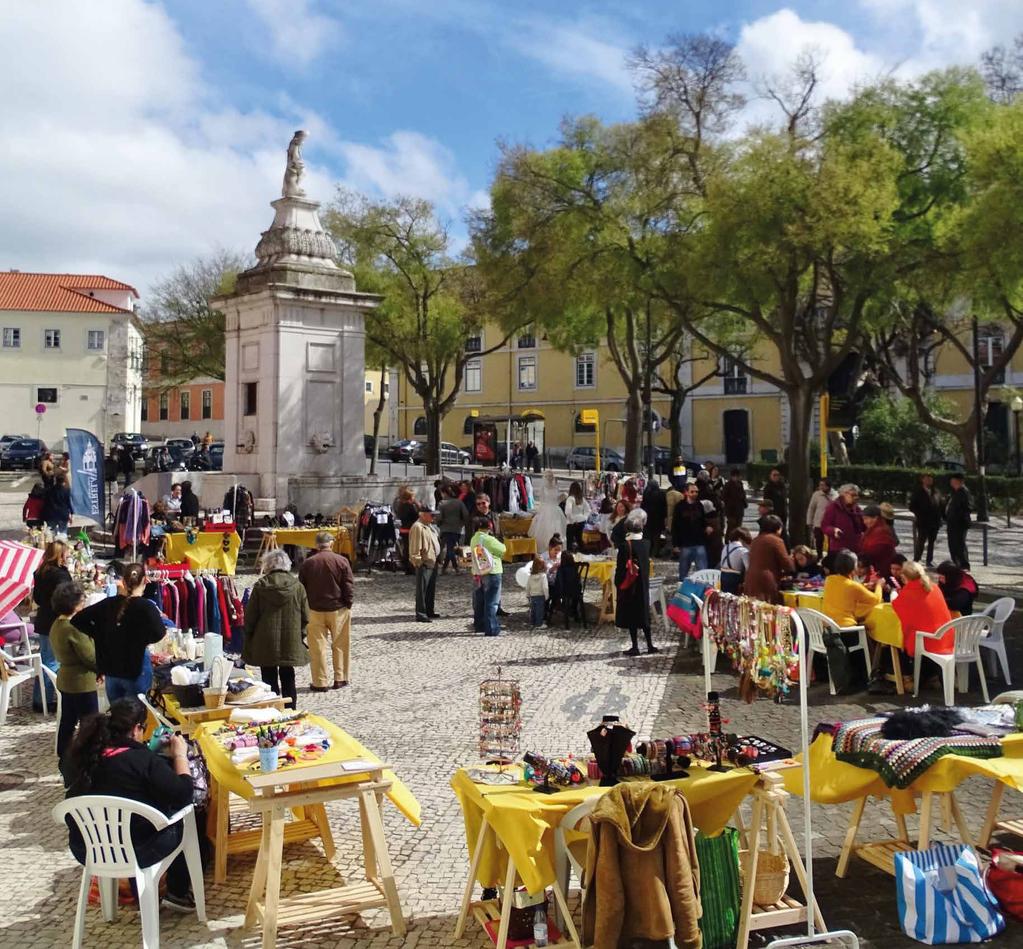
(895, 484)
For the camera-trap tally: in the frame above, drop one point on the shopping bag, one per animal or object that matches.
(720, 891)
(1006, 881)
(942, 897)
(683, 609)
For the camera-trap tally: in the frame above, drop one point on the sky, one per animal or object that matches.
(140, 135)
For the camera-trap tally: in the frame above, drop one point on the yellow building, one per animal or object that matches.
(529, 379)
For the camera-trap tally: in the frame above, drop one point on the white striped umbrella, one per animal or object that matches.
(17, 564)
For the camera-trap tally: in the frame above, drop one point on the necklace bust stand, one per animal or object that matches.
(609, 741)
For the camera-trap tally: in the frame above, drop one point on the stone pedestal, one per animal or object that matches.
(295, 366)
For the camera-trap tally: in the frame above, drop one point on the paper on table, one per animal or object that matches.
(358, 764)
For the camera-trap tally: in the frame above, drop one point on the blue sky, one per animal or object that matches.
(141, 134)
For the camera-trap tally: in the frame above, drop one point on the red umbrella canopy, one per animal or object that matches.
(17, 564)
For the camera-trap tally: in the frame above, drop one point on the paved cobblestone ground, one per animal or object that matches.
(413, 700)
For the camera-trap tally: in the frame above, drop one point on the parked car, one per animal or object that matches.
(449, 454)
(585, 459)
(661, 459)
(403, 450)
(183, 445)
(22, 453)
(138, 443)
(6, 440)
(217, 456)
(176, 459)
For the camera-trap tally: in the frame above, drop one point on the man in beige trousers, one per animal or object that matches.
(330, 586)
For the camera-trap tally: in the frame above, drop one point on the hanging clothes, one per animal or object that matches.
(132, 525)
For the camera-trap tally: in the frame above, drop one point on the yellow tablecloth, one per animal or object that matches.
(306, 537)
(343, 747)
(836, 782)
(207, 553)
(517, 547)
(602, 571)
(524, 821)
(882, 622)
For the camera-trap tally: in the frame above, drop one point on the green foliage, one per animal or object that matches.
(892, 432)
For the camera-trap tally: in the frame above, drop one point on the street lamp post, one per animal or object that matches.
(1017, 407)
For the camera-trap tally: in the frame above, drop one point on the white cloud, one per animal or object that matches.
(298, 34)
(770, 46)
(117, 158)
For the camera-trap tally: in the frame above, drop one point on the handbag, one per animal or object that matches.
(720, 890)
(942, 897)
(1006, 883)
(631, 572)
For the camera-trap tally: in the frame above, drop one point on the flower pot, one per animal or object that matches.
(268, 759)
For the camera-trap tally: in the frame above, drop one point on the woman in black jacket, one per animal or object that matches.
(124, 626)
(632, 611)
(51, 573)
(189, 502)
(108, 757)
(57, 504)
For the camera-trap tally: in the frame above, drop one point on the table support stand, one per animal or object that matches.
(769, 807)
(881, 854)
(491, 910)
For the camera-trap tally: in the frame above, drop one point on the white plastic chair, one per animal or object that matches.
(955, 669)
(15, 671)
(817, 624)
(52, 676)
(657, 597)
(999, 611)
(711, 577)
(20, 643)
(105, 824)
(577, 819)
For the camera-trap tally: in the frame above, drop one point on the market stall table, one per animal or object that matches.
(226, 779)
(602, 570)
(274, 537)
(837, 782)
(191, 718)
(513, 830)
(213, 550)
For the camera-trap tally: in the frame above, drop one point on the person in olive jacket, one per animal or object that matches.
(276, 618)
(76, 653)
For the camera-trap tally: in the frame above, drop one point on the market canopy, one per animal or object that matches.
(17, 564)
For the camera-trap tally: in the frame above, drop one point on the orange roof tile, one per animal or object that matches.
(58, 292)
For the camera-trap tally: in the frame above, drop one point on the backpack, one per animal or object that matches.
(631, 572)
(482, 560)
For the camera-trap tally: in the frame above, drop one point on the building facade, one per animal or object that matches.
(178, 411)
(71, 355)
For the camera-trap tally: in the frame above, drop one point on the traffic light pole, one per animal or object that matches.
(978, 409)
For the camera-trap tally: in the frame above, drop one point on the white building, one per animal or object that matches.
(71, 345)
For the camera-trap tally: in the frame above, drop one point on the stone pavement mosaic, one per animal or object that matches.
(413, 700)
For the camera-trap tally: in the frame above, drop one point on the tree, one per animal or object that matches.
(667, 380)
(377, 358)
(891, 432)
(431, 304)
(180, 327)
(1002, 69)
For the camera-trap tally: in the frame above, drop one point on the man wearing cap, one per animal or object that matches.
(330, 587)
(423, 551)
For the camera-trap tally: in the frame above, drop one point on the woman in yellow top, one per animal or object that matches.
(846, 600)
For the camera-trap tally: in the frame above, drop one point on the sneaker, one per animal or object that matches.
(180, 904)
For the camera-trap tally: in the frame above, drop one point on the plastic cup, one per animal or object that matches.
(268, 759)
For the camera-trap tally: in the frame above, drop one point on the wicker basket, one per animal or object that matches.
(772, 876)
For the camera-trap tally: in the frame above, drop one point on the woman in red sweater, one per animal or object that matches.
(920, 606)
(877, 547)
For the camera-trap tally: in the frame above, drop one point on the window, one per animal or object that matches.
(164, 363)
(387, 388)
(95, 341)
(474, 343)
(185, 401)
(51, 339)
(47, 395)
(369, 385)
(470, 421)
(585, 371)
(249, 398)
(207, 403)
(12, 337)
(527, 372)
(473, 381)
(145, 409)
(734, 376)
(990, 350)
(528, 339)
(164, 406)
(583, 429)
(419, 428)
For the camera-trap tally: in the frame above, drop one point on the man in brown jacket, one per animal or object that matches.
(642, 870)
(423, 551)
(330, 587)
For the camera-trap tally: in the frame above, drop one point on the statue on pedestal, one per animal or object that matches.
(292, 187)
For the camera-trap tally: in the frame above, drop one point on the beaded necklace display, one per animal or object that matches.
(756, 637)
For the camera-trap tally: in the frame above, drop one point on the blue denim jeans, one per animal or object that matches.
(50, 661)
(485, 599)
(537, 610)
(129, 688)
(697, 556)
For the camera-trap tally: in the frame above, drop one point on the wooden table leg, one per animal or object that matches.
(506, 905)
(796, 862)
(992, 815)
(562, 903)
(900, 823)
(470, 883)
(258, 874)
(273, 877)
(960, 820)
(926, 805)
(850, 837)
(383, 859)
(900, 688)
(749, 874)
(222, 806)
(369, 852)
(318, 815)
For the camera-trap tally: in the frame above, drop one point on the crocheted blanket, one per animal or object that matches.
(901, 762)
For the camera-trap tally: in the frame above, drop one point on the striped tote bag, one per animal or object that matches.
(942, 897)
